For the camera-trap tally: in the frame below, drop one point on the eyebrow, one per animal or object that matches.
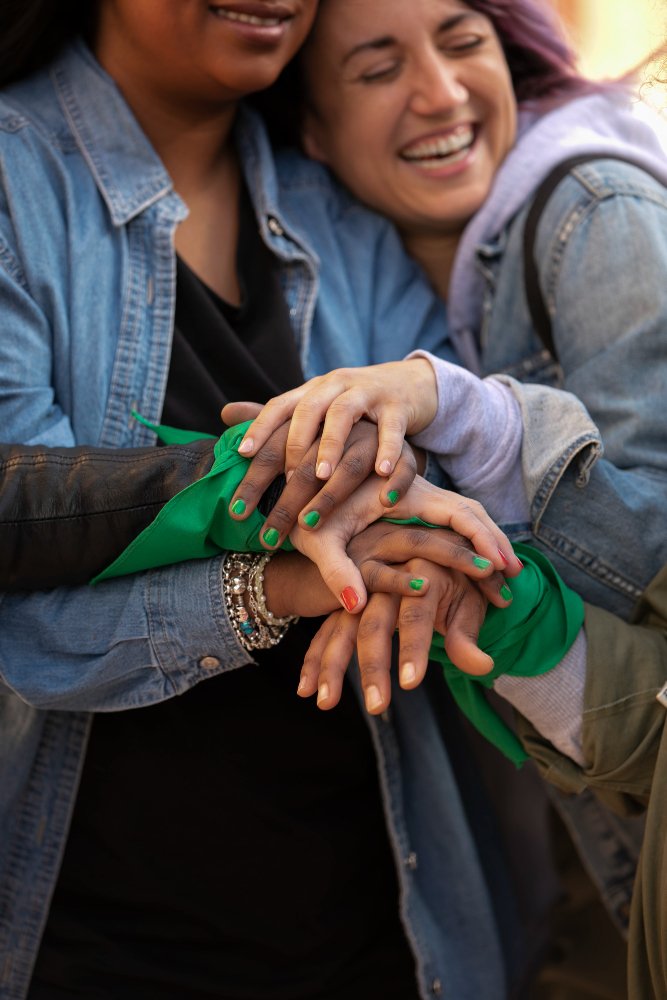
(386, 41)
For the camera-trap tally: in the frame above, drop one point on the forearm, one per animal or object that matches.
(553, 702)
(477, 435)
(65, 513)
(129, 642)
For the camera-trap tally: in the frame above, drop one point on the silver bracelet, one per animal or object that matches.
(258, 600)
(250, 630)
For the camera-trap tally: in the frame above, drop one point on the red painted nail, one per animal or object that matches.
(350, 598)
(503, 556)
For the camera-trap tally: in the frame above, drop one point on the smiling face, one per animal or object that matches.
(411, 105)
(201, 51)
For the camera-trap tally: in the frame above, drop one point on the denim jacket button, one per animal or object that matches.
(436, 988)
(411, 861)
(274, 226)
(209, 662)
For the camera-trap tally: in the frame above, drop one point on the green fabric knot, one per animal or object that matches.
(529, 637)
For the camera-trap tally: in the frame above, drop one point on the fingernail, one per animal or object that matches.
(392, 497)
(503, 556)
(408, 673)
(350, 598)
(481, 562)
(271, 536)
(519, 562)
(505, 593)
(246, 446)
(373, 698)
(385, 467)
(238, 507)
(416, 584)
(302, 685)
(323, 470)
(322, 693)
(311, 518)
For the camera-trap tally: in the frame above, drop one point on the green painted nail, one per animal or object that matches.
(392, 497)
(311, 518)
(481, 562)
(271, 536)
(238, 507)
(505, 593)
(416, 584)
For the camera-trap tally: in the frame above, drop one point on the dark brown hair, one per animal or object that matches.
(32, 32)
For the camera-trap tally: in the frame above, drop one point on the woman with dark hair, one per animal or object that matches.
(54, 114)
(227, 842)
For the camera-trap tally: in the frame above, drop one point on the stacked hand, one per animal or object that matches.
(420, 578)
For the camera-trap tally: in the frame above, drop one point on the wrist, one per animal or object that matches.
(293, 585)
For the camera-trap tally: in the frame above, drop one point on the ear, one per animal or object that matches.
(311, 133)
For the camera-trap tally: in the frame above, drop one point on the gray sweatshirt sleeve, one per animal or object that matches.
(477, 436)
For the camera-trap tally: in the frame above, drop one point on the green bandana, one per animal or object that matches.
(530, 636)
(196, 523)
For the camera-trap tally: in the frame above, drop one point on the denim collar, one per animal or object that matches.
(127, 170)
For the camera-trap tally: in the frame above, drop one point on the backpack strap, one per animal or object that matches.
(537, 307)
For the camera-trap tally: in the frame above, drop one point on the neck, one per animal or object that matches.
(192, 142)
(435, 252)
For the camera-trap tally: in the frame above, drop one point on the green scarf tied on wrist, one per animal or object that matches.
(196, 523)
(529, 637)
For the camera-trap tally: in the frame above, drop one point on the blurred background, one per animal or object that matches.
(614, 36)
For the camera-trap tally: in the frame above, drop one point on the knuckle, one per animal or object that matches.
(413, 613)
(326, 500)
(269, 456)
(420, 537)
(370, 627)
(373, 575)
(308, 407)
(304, 476)
(282, 516)
(355, 465)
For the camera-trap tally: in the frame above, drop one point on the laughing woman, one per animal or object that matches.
(229, 842)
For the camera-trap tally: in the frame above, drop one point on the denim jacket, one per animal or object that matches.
(598, 511)
(602, 251)
(84, 197)
(602, 247)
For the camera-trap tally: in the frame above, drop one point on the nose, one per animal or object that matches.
(437, 85)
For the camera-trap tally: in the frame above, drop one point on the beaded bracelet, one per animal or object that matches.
(257, 599)
(250, 630)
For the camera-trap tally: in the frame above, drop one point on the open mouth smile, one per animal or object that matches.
(253, 20)
(440, 151)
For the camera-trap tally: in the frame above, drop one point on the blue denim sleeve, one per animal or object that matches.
(126, 643)
(131, 642)
(603, 523)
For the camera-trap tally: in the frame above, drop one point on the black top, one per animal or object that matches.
(229, 843)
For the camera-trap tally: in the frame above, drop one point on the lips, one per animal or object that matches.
(255, 15)
(444, 147)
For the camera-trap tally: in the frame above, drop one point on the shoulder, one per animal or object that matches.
(31, 115)
(595, 207)
(307, 185)
(602, 178)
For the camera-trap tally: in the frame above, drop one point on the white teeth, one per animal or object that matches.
(431, 149)
(233, 15)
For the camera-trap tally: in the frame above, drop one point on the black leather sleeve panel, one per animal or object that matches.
(66, 513)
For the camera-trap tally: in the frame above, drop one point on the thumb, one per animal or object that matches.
(238, 413)
(339, 572)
